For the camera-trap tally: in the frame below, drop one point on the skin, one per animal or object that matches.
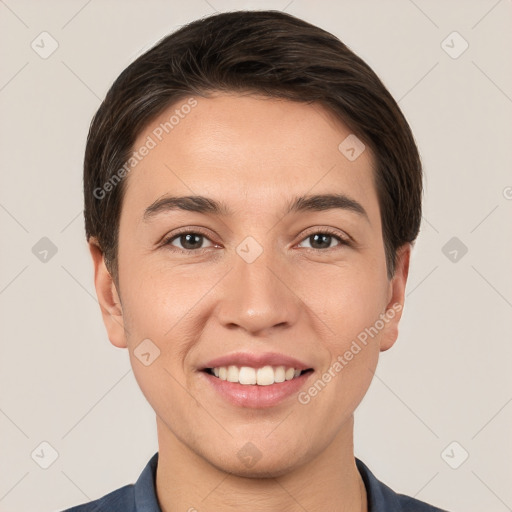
(299, 298)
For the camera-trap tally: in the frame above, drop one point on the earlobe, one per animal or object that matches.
(108, 298)
(396, 301)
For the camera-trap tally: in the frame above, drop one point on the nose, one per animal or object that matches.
(258, 297)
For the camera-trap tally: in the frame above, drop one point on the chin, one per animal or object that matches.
(260, 470)
(250, 462)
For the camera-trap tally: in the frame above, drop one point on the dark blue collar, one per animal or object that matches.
(379, 496)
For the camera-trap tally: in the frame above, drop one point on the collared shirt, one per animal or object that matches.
(141, 496)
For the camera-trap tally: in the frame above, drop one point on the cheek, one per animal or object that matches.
(349, 300)
(169, 307)
(350, 304)
(160, 298)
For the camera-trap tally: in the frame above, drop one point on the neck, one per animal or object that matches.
(186, 481)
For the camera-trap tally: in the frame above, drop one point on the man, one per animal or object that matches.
(252, 192)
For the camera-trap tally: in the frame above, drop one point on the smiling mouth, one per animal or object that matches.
(248, 376)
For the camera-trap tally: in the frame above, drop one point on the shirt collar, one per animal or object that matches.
(145, 488)
(379, 496)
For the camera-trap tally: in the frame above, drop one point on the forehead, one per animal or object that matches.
(253, 149)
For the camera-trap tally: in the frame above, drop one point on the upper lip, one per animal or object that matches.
(256, 361)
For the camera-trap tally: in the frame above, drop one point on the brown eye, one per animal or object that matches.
(188, 241)
(323, 240)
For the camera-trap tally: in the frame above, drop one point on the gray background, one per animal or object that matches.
(446, 380)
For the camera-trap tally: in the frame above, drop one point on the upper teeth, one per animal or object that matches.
(262, 376)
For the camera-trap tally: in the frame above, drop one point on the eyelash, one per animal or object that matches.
(326, 231)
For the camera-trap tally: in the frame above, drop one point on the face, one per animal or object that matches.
(254, 271)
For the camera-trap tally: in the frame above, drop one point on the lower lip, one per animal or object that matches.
(255, 396)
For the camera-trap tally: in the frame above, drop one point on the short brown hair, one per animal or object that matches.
(264, 52)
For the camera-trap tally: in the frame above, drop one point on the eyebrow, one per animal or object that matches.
(201, 204)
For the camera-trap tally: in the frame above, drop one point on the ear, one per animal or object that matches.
(108, 298)
(396, 297)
